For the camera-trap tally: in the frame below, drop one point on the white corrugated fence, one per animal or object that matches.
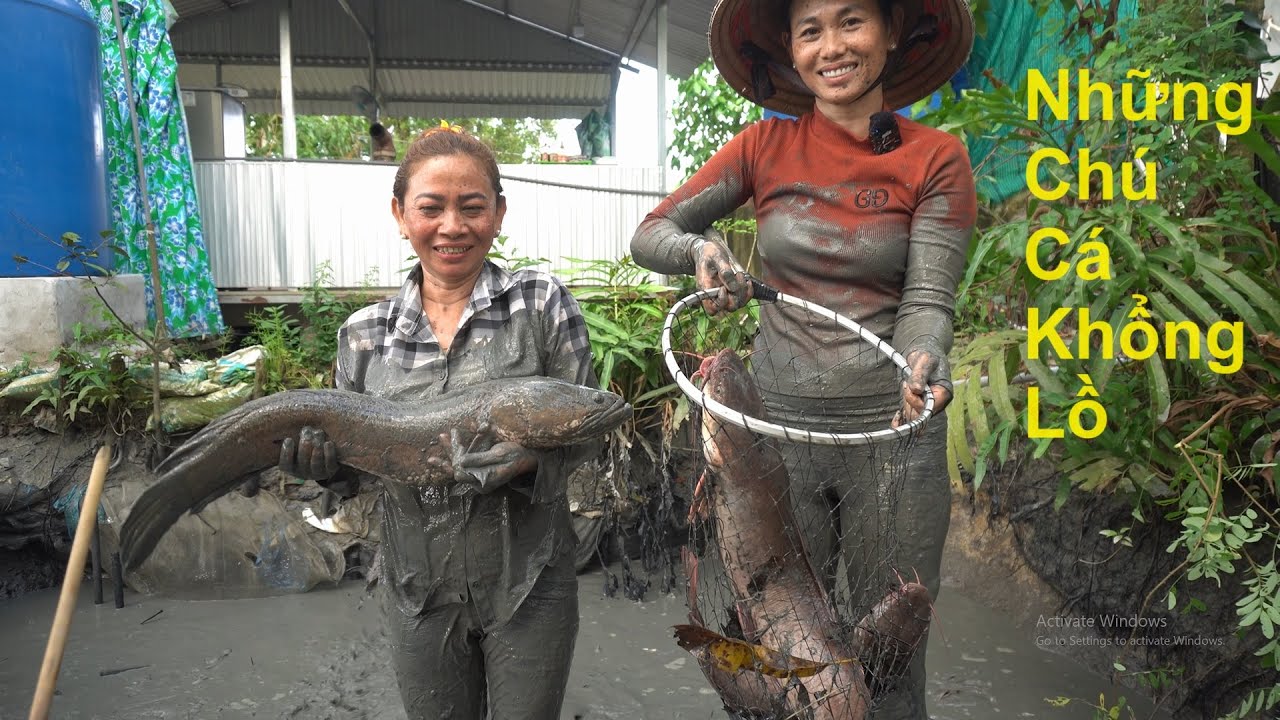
(269, 224)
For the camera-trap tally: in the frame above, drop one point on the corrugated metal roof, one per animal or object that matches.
(194, 8)
(434, 55)
(432, 30)
(609, 24)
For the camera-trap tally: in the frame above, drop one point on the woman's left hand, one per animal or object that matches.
(491, 469)
(923, 366)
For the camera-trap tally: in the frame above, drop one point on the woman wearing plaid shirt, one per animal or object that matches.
(479, 592)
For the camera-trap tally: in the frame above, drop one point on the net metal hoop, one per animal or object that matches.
(764, 427)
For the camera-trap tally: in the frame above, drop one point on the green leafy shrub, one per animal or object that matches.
(1187, 437)
(324, 312)
(707, 113)
(299, 351)
(93, 382)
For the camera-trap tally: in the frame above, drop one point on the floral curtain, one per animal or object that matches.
(190, 297)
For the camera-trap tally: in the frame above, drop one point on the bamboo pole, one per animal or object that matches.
(144, 195)
(161, 332)
(70, 587)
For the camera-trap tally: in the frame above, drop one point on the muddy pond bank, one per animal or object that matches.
(317, 655)
(994, 650)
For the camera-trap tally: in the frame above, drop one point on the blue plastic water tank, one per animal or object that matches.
(52, 167)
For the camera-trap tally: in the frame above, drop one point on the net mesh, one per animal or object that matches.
(800, 564)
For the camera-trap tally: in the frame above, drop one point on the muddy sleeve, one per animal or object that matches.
(665, 239)
(941, 228)
(568, 349)
(348, 363)
(345, 363)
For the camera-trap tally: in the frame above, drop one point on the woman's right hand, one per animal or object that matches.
(312, 456)
(715, 268)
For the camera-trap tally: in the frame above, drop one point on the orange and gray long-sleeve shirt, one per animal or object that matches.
(879, 238)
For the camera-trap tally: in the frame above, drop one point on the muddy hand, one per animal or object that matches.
(923, 367)
(312, 456)
(489, 469)
(715, 268)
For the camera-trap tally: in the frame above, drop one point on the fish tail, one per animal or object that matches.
(155, 511)
(204, 468)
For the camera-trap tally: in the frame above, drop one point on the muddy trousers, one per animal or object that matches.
(867, 516)
(449, 667)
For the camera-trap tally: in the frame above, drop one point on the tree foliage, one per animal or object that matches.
(707, 114)
(1190, 445)
(346, 137)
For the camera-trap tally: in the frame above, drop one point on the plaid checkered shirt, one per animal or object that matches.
(438, 548)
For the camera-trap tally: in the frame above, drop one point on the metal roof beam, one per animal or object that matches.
(227, 5)
(574, 16)
(346, 7)
(637, 29)
(400, 64)
(505, 12)
(441, 98)
(370, 40)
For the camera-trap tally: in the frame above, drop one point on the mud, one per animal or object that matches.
(319, 655)
(35, 568)
(1096, 578)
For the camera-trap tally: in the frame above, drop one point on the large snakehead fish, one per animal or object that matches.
(780, 603)
(391, 439)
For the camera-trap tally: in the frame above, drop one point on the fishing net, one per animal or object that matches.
(812, 516)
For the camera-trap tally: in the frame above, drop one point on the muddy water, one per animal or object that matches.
(981, 666)
(318, 655)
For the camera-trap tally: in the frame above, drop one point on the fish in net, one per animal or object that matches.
(801, 576)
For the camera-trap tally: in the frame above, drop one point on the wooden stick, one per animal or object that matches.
(95, 552)
(118, 571)
(70, 587)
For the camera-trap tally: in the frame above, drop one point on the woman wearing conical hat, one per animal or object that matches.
(867, 214)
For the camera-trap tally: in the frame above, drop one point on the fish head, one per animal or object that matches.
(550, 413)
(727, 381)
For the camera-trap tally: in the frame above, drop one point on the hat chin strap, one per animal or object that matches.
(761, 83)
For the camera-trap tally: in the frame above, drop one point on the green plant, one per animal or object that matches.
(347, 136)
(1155, 680)
(1194, 431)
(624, 314)
(283, 366)
(706, 114)
(92, 382)
(504, 256)
(1101, 711)
(1195, 253)
(300, 353)
(1261, 604)
(21, 370)
(324, 312)
(1255, 703)
(80, 255)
